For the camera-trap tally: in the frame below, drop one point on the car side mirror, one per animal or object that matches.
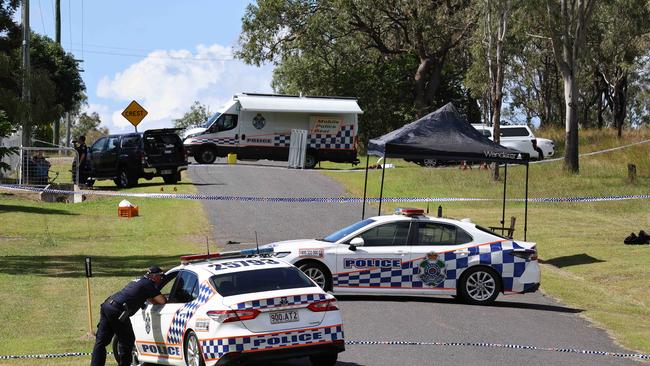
(356, 242)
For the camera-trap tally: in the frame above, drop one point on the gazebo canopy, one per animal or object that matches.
(443, 135)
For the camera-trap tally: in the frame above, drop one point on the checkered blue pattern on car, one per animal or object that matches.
(496, 255)
(214, 349)
(185, 313)
(218, 141)
(344, 139)
(282, 301)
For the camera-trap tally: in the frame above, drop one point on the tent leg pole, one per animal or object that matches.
(365, 188)
(526, 206)
(381, 190)
(505, 180)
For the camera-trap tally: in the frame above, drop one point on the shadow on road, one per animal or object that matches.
(445, 300)
(72, 266)
(33, 210)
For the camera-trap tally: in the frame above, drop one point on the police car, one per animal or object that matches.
(238, 308)
(409, 253)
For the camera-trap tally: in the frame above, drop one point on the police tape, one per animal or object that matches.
(210, 197)
(593, 152)
(639, 356)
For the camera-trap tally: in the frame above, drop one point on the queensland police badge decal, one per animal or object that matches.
(259, 121)
(433, 271)
(147, 323)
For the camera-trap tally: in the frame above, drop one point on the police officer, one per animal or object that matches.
(82, 154)
(115, 313)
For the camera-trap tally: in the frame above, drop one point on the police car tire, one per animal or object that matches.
(474, 273)
(191, 337)
(134, 361)
(314, 267)
(327, 359)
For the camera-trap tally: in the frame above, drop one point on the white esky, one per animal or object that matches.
(163, 54)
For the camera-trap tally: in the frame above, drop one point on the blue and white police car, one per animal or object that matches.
(237, 308)
(409, 253)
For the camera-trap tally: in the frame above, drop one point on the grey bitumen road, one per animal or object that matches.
(531, 319)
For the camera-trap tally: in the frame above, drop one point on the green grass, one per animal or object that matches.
(586, 264)
(42, 251)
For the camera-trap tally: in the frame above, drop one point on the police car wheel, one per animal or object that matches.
(479, 286)
(134, 354)
(192, 351)
(318, 274)
(328, 359)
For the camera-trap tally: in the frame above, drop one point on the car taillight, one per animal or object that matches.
(528, 254)
(227, 316)
(143, 159)
(327, 305)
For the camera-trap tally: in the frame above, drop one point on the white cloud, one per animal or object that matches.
(167, 82)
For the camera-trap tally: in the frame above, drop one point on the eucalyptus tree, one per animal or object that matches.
(567, 23)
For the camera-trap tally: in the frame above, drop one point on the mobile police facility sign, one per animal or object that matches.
(134, 113)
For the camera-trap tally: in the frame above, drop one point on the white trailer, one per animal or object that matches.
(258, 126)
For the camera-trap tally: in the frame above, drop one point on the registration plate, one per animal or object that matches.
(279, 317)
(166, 171)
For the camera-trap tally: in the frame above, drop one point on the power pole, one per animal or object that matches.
(26, 95)
(57, 36)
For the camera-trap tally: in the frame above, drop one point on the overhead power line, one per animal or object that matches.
(120, 54)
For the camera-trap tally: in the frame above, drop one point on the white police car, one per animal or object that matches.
(412, 254)
(241, 309)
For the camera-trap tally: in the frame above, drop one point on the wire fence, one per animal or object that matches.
(53, 167)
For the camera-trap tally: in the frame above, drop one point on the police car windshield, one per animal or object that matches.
(246, 282)
(334, 237)
(210, 120)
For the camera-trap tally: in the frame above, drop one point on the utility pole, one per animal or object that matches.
(57, 36)
(26, 95)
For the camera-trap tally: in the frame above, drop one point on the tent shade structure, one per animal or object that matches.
(444, 135)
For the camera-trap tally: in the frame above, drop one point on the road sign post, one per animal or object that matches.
(134, 113)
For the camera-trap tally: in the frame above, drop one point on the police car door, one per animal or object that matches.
(168, 322)
(437, 253)
(376, 266)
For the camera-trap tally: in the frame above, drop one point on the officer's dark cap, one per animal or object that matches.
(154, 270)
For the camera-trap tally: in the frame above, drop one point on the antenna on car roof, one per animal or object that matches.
(256, 244)
(207, 245)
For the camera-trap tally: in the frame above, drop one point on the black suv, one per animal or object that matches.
(128, 157)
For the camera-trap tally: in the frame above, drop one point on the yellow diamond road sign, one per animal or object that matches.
(134, 113)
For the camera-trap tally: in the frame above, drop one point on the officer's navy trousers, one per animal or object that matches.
(110, 325)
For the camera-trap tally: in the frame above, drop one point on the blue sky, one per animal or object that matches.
(164, 54)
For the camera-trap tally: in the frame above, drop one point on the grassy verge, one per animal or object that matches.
(42, 250)
(586, 264)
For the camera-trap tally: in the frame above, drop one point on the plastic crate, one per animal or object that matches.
(127, 211)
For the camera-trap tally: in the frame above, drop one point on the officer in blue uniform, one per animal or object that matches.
(115, 313)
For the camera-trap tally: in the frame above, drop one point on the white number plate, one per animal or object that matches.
(166, 171)
(279, 317)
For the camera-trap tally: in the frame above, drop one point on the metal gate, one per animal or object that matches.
(297, 149)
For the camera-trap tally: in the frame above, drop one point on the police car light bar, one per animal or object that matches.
(223, 255)
(408, 211)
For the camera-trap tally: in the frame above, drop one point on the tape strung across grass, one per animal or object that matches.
(638, 356)
(211, 197)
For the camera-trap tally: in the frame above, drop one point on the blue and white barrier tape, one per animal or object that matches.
(638, 356)
(210, 197)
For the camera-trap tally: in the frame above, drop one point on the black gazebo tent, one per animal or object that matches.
(444, 135)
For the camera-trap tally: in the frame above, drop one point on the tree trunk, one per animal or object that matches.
(571, 161)
(427, 80)
(620, 103)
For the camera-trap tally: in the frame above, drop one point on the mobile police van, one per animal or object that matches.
(258, 126)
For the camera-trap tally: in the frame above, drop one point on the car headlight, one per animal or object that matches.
(281, 254)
